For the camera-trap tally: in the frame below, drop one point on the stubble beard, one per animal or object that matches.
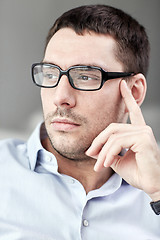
(70, 149)
(63, 142)
(73, 153)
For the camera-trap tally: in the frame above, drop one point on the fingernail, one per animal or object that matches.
(95, 168)
(89, 151)
(105, 163)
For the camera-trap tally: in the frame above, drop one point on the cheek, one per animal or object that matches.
(43, 99)
(105, 108)
(95, 110)
(46, 102)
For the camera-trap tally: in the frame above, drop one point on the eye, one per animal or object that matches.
(89, 77)
(84, 77)
(49, 75)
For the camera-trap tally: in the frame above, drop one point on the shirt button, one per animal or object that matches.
(72, 181)
(48, 158)
(85, 223)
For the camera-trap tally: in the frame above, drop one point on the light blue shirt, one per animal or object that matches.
(38, 203)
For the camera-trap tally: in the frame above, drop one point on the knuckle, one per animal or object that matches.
(113, 124)
(148, 131)
(114, 138)
(147, 134)
(112, 127)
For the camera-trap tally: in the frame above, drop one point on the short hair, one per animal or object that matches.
(131, 38)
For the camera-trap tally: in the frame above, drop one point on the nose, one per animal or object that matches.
(64, 94)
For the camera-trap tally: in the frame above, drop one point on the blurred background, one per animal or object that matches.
(24, 25)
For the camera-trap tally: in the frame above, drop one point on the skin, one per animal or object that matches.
(78, 120)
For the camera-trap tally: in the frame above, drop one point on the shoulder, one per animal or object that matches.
(13, 150)
(10, 146)
(10, 142)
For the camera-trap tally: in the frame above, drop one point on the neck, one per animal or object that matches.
(81, 170)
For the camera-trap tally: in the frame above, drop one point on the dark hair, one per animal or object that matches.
(131, 38)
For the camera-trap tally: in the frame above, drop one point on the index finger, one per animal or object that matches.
(134, 110)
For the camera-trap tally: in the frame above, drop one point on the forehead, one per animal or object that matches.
(66, 48)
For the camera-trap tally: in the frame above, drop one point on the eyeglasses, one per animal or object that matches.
(85, 78)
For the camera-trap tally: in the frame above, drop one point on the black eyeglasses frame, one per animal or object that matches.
(105, 75)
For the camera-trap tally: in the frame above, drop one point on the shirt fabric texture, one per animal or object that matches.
(39, 203)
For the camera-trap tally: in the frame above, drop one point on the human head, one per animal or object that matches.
(132, 41)
(73, 118)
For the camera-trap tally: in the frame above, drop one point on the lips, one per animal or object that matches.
(64, 125)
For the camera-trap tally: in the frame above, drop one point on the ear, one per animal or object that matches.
(138, 87)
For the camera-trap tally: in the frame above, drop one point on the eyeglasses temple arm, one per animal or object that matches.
(114, 75)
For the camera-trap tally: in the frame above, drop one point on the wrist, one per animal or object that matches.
(155, 204)
(155, 196)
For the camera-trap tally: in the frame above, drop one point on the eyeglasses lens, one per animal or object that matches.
(86, 78)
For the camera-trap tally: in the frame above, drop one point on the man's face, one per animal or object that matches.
(74, 118)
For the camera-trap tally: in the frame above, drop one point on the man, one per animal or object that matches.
(66, 181)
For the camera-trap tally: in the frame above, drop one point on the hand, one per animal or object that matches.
(140, 165)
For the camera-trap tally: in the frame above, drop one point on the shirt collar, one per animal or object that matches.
(33, 146)
(108, 188)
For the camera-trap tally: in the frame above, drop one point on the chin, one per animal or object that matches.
(74, 151)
